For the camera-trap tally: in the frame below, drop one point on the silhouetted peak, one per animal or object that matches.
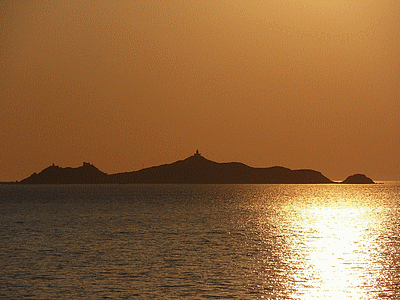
(87, 165)
(52, 168)
(197, 158)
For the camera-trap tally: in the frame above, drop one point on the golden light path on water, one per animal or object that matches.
(331, 245)
(339, 260)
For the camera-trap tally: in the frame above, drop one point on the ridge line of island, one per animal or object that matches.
(195, 169)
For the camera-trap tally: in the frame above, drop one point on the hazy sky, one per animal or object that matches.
(131, 84)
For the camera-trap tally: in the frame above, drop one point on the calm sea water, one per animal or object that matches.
(200, 242)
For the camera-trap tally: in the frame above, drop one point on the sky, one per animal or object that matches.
(305, 84)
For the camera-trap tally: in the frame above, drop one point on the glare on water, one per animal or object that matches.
(338, 256)
(334, 248)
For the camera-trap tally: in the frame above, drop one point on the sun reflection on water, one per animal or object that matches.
(338, 253)
(331, 250)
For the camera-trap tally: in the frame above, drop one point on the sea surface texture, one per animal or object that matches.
(200, 241)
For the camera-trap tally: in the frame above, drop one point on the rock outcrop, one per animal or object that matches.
(87, 173)
(358, 179)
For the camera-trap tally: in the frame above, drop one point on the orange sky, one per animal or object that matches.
(130, 84)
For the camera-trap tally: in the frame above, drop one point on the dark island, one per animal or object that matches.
(194, 169)
(358, 179)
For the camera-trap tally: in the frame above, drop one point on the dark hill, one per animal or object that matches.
(87, 173)
(358, 179)
(197, 169)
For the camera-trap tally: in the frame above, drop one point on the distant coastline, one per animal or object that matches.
(195, 169)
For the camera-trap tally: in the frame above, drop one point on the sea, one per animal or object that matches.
(200, 241)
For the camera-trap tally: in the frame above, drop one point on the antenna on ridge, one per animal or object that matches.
(197, 153)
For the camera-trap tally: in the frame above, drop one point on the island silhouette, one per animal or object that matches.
(358, 178)
(195, 169)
